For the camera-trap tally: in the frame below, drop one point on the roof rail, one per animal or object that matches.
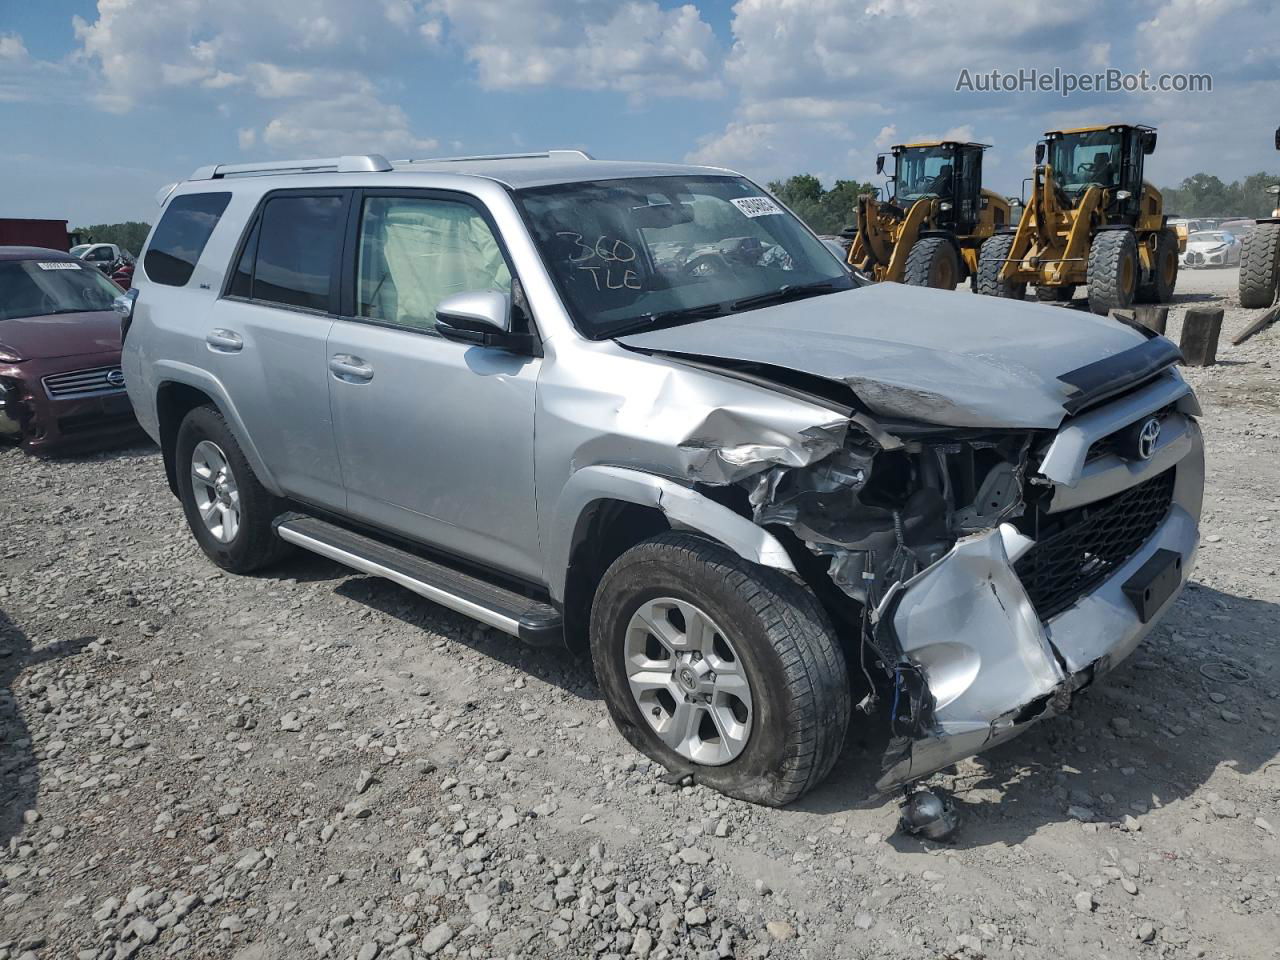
(362, 163)
(545, 154)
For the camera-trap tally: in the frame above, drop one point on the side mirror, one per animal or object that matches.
(123, 304)
(1040, 153)
(1149, 142)
(1278, 138)
(480, 317)
(880, 158)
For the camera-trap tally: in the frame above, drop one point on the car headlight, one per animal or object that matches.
(9, 355)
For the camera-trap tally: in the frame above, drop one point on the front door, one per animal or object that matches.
(435, 437)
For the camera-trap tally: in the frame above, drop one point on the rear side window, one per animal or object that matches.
(181, 236)
(293, 249)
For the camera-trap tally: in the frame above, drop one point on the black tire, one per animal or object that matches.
(1113, 271)
(933, 262)
(1063, 294)
(789, 651)
(254, 544)
(1164, 275)
(991, 260)
(1260, 266)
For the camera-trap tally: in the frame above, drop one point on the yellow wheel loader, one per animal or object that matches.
(928, 233)
(1260, 256)
(1091, 220)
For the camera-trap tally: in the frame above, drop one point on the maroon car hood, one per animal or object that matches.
(62, 334)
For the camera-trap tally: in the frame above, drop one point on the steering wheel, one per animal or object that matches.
(707, 265)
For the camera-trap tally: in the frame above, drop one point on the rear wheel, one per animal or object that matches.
(1164, 273)
(1113, 271)
(991, 260)
(228, 510)
(717, 668)
(1260, 266)
(933, 262)
(1061, 294)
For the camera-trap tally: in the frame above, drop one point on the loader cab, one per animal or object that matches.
(1110, 157)
(948, 170)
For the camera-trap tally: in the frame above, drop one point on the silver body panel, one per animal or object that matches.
(498, 458)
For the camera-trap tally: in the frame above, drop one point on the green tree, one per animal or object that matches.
(130, 235)
(825, 211)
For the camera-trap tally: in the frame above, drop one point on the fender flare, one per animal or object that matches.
(683, 507)
(175, 371)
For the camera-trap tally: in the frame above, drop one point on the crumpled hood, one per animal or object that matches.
(915, 353)
(62, 335)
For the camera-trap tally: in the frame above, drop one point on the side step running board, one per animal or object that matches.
(534, 622)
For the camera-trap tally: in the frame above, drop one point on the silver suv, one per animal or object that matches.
(642, 410)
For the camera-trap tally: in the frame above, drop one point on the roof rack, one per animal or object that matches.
(362, 163)
(544, 154)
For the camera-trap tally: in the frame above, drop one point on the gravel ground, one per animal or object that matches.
(313, 763)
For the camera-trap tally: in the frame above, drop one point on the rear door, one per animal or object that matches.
(266, 337)
(435, 437)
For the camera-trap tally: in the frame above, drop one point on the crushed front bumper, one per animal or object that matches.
(990, 665)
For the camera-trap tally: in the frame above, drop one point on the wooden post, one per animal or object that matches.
(1201, 327)
(1152, 317)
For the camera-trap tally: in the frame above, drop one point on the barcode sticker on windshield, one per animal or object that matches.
(59, 265)
(756, 206)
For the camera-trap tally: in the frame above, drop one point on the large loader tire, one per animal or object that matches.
(991, 260)
(1061, 294)
(1260, 266)
(1113, 271)
(933, 262)
(1164, 276)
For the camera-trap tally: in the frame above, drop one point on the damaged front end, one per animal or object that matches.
(994, 571)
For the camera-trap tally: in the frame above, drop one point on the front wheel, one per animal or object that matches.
(718, 668)
(992, 256)
(933, 262)
(1113, 271)
(1260, 266)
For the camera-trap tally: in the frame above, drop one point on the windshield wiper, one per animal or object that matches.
(661, 318)
(786, 294)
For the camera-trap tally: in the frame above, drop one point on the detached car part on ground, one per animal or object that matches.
(667, 426)
(60, 379)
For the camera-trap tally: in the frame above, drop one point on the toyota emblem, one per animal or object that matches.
(1147, 437)
(116, 378)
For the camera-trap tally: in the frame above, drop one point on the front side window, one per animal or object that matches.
(640, 252)
(925, 171)
(180, 237)
(297, 238)
(1080, 160)
(414, 252)
(39, 288)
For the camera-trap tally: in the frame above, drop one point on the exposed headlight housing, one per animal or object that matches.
(9, 355)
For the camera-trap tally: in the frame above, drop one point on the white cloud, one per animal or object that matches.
(886, 137)
(247, 137)
(353, 122)
(637, 47)
(12, 47)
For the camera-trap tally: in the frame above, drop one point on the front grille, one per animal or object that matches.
(1092, 542)
(84, 383)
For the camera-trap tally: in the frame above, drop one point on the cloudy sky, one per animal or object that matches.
(102, 103)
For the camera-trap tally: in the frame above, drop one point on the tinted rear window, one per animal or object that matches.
(297, 242)
(181, 236)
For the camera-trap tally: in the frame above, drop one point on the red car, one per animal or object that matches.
(60, 378)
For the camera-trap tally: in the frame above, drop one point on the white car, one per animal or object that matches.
(1211, 248)
(101, 255)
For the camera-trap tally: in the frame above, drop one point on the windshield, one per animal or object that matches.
(1082, 159)
(38, 288)
(632, 253)
(924, 171)
(79, 249)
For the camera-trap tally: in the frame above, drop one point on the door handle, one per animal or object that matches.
(224, 341)
(350, 369)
